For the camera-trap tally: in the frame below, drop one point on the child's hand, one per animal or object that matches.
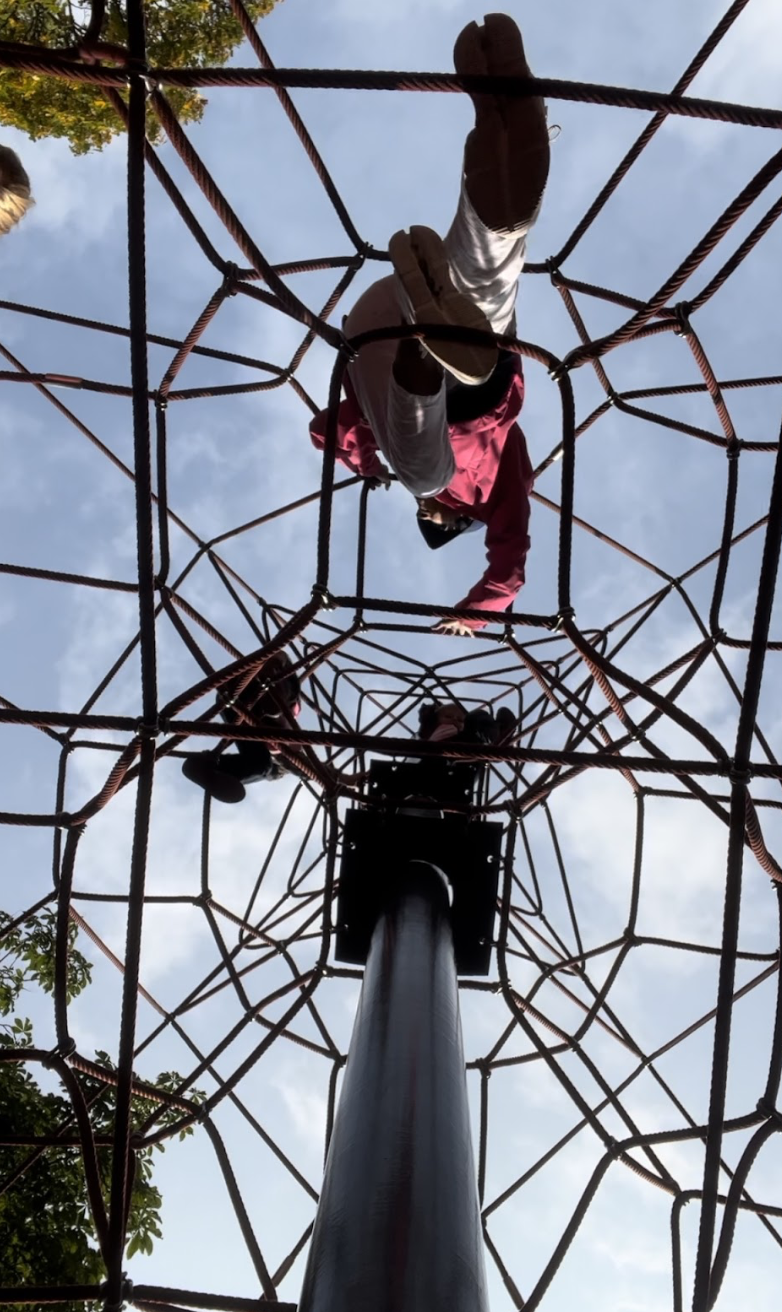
(456, 628)
(383, 479)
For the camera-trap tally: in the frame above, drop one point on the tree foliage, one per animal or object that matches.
(180, 34)
(27, 957)
(47, 1234)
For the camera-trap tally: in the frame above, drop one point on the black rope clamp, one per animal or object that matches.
(738, 776)
(770, 1113)
(60, 1053)
(322, 594)
(734, 448)
(346, 349)
(553, 270)
(125, 1295)
(567, 613)
(152, 730)
(558, 371)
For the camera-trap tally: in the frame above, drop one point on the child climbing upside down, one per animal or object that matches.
(443, 413)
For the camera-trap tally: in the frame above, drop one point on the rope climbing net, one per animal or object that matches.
(621, 1065)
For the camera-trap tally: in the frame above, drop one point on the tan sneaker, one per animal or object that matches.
(427, 295)
(506, 156)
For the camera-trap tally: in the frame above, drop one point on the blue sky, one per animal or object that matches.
(395, 159)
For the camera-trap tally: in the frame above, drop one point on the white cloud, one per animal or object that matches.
(638, 1255)
(306, 1107)
(177, 936)
(745, 66)
(78, 200)
(405, 13)
(684, 857)
(21, 485)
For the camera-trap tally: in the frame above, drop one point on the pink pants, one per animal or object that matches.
(412, 431)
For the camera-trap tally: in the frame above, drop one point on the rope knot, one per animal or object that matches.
(682, 316)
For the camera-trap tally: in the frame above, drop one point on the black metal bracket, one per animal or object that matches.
(380, 842)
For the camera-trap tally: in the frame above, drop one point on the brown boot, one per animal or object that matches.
(506, 156)
(427, 295)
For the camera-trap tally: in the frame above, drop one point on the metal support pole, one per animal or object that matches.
(398, 1226)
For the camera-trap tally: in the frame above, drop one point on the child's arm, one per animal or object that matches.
(507, 537)
(356, 446)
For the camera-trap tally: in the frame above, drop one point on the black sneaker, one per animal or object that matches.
(478, 727)
(204, 769)
(506, 724)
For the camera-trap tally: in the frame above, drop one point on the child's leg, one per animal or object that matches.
(485, 265)
(400, 389)
(506, 161)
(401, 392)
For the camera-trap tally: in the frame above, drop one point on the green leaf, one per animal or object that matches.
(180, 34)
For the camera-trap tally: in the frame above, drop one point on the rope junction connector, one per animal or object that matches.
(567, 613)
(346, 350)
(323, 596)
(61, 1052)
